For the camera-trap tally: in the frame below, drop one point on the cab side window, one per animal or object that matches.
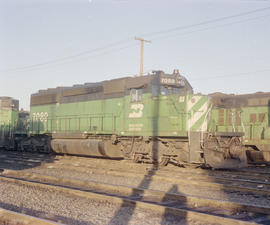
(164, 90)
(135, 95)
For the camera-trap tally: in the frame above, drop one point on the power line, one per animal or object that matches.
(162, 37)
(230, 75)
(208, 28)
(87, 53)
(118, 43)
(81, 54)
(206, 22)
(73, 60)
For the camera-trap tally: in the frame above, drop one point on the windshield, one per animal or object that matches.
(165, 90)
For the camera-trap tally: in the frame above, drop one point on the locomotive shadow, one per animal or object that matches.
(124, 214)
(169, 218)
(12, 160)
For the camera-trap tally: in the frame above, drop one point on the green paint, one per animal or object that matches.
(257, 131)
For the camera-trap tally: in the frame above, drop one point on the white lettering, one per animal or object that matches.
(169, 81)
(137, 111)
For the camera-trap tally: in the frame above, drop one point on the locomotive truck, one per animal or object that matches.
(154, 118)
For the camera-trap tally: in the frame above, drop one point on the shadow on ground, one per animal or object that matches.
(13, 160)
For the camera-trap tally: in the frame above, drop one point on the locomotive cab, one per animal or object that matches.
(170, 84)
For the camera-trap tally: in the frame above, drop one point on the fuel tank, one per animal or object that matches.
(87, 147)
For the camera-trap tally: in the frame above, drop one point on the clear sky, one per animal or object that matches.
(219, 45)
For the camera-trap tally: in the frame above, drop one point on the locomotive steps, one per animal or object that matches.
(201, 209)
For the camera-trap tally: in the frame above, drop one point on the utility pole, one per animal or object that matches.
(141, 59)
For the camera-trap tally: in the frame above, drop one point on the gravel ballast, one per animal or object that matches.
(69, 209)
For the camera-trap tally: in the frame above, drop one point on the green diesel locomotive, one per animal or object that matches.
(13, 123)
(9, 118)
(154, 118)
(247, 113)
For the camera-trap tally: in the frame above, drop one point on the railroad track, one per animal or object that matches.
(244, 176)
(235, 174)
(27, 156)
(8, 217)
(231, 185)
(206, 210)
(232, 182)
(252, 173)
(178, 176)
(249, 173)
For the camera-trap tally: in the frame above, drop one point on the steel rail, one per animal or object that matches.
(98, 186)
(200, 171)
(10, 217)
(188, 180)
(239, 172)
(263, 186)
(154, 206)
(196, 175)
(219, 183)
